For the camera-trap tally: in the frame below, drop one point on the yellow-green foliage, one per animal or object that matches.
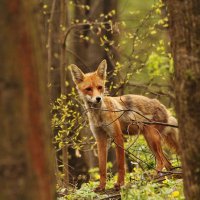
(138, 188)
(68, 119)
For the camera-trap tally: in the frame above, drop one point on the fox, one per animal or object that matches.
(114, 117)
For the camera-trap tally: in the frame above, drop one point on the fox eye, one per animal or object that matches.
(88, 89)
(99, 87)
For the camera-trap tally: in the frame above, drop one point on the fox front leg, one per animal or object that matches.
(120, 156)
(102, 157)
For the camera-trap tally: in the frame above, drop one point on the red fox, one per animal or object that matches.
(115, 116)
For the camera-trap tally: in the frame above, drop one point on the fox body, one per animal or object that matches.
(111, 117)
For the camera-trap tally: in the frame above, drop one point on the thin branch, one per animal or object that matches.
(146, 87)
(74, 26)
(77, 56)
(135, 158)
(156, 123)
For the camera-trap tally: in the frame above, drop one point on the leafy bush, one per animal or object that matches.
(68, 119)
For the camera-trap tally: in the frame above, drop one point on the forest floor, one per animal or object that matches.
(167, 186)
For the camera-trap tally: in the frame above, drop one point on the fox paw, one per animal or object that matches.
(99, 189)
(117, 186)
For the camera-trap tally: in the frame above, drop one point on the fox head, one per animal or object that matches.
(91, 86)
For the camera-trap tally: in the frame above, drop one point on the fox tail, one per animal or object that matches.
(171, 134)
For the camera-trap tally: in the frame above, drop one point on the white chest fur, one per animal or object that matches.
(100, 122)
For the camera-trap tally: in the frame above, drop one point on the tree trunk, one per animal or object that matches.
(64, 22)
(53, 48)
(57, 62)
(25, 168)
(185, 40)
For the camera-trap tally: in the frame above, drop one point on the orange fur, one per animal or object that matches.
(115, 116)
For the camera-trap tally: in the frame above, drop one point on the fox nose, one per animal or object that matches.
(98, 99)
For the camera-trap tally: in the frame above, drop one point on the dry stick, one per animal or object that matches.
(114, 196)
(164, 174)
(156, 123)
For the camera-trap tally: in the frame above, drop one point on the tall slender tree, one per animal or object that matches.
(185, 40)
(57, 60)
(26, 171)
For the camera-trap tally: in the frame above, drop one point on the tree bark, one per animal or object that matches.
(58, 21)
(53, 50)
(185, 40)
(26, 171)
(64, 22)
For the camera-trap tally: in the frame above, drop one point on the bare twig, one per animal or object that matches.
(146, 87)
(135, 158)
(156, 123)
(77, 56)
(78, 25)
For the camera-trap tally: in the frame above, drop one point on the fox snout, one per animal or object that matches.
(93, 99)
(98, 99)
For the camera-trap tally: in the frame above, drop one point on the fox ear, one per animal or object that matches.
(77, 74)
(101, 70)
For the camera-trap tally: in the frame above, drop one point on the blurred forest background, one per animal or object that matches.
(134, 38)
